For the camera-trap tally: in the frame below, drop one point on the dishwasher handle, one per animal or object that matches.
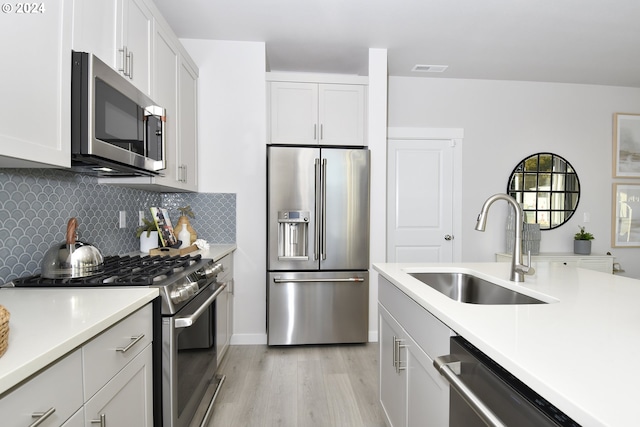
(449, 368)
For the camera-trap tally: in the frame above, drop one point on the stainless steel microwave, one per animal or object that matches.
(116, 130)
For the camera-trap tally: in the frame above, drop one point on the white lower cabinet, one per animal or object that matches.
(412, 393)
(127, 399)
(224, 308)
(87, 385)
(76, 420)
(41, 397)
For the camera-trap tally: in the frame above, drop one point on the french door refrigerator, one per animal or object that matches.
(318, 245)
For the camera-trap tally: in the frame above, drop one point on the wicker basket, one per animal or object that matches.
(4, 330)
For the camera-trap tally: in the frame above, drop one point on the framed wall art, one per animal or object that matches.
(625, 215)
(626, 145)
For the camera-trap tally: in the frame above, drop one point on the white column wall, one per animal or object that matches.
(232, 159)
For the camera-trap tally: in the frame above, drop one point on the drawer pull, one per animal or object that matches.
(41, 416)
(131, 344)
(102, 421)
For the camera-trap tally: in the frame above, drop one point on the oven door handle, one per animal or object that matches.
(186, 321)
(449, 368)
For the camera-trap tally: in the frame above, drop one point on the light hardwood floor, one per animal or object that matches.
(299, 386)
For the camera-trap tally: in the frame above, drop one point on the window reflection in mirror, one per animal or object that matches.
(547, 187)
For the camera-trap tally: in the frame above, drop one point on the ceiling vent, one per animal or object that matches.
(429, 68)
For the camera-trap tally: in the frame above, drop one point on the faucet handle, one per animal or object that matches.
(529, 270)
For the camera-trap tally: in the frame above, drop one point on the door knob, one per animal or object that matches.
(448, 237)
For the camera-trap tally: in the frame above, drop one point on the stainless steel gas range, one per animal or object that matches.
(185, 359)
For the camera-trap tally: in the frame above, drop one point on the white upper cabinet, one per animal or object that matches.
(317, 113)
(35, 85)
(133, 40)
(173, 77)
(187, 132)
(120, 32)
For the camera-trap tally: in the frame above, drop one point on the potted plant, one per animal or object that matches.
(582, 242)
(185, 214)
(148, 240)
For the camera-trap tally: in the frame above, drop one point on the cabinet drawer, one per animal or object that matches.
(109, 352)
(126, 399)
(429, 333)
(58, 387)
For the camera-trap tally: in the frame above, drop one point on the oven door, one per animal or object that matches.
(189, 359)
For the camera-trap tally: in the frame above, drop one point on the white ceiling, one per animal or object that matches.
(570, 41)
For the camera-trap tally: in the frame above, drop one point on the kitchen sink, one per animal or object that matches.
(472, 290)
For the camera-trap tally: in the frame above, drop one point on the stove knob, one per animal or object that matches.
(180, 294)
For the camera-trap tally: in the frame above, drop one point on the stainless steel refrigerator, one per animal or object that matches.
(318, 245)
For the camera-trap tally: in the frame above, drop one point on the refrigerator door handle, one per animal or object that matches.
(323, 250)
(349, 279)
(316, 231)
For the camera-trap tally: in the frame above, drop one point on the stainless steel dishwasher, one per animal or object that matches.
(483, 393)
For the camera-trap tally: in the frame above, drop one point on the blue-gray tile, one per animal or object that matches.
(35, 205)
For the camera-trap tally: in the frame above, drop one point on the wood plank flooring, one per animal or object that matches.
(301, 386)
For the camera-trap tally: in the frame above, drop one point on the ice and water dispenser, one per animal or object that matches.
(293, 235)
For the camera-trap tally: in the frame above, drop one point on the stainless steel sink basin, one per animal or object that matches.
(473, 290)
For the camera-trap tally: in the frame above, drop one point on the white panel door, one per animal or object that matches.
(420, 201)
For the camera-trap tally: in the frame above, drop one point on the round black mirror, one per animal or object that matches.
(547, 187)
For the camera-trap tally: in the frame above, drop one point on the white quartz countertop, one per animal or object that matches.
(217, 251)
(47, 323)
(581, 351)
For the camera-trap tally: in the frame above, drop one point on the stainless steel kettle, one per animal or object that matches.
(72, 258)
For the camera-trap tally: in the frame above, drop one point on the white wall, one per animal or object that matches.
(232, 159)
(377, 137)
(504, 122)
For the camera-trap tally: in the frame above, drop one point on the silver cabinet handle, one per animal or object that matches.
(102, 420)
(349, 279)
(41, 416)
(131, 344)
(130, 64)
(449, 368)
(315, 132)
(397, 362)
(321, 131)
(123, 69)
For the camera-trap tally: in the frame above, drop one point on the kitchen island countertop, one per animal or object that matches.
(47, 323)
(580, 351)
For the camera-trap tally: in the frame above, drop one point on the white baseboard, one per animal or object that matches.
(248, 339)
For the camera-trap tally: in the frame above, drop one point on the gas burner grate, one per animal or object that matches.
(132, 270)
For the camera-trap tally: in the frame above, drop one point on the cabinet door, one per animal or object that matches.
(127, 399)
(341, 114)
(187, 110)
(427, 391)
(166, 63)
(222, 324)
(393, 381)
(40, 398)
(94, 29)
(294, 113)
(135, 40)
(34, 82)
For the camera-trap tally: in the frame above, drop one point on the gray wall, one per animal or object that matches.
(35, 205)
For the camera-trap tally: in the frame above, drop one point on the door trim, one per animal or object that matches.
(455, 135)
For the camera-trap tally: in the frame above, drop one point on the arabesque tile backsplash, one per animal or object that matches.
(35, 205)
